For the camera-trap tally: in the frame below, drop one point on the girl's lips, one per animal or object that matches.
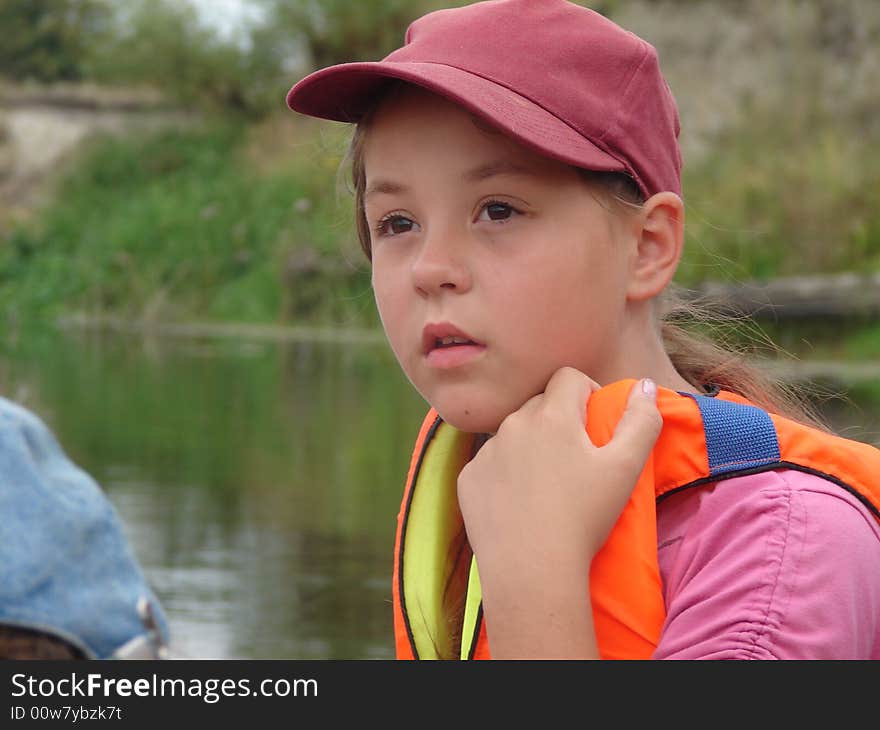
(444, 358)
(453, 354)
(435, 332)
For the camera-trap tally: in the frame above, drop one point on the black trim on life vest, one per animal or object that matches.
(874, 509)
(476, 636)
(410, 492)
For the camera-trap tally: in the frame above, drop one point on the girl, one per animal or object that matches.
(517, 180)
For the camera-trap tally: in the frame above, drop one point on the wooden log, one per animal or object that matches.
(838, 372)
(833, 295)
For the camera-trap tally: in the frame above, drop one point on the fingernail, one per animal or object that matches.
(649, 388)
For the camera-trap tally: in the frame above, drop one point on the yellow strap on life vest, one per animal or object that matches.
(434, 521)
(471, 611)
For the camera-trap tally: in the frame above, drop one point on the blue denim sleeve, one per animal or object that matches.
(66, 567)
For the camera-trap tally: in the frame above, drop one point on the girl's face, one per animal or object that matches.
(477, 238)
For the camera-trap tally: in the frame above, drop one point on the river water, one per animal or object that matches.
(259, 482)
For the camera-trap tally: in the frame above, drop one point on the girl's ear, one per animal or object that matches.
(660, 237)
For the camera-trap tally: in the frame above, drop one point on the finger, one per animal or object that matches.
(569, 390)
(639, 426)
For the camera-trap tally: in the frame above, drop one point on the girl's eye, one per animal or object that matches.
(395, 224)
(497, 211)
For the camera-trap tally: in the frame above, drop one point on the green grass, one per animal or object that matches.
(172, 225)
(791, 194)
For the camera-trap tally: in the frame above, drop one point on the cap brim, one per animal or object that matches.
(345, 92)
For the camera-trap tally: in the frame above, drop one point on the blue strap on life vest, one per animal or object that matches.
(738, 436)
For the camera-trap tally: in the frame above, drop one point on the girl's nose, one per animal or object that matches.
(441, 265)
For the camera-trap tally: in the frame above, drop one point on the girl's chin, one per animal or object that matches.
(471, 420)
(469, 406)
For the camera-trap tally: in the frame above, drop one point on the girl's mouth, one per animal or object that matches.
(452, 355)
(446, 346)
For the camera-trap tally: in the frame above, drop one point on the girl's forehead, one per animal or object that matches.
(414, 111)
(413, 121)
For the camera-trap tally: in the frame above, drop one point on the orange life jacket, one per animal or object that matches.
(704, 440)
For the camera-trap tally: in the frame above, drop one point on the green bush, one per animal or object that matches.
(48, 40)
(169, 225)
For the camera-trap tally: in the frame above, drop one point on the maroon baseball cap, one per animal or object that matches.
(555, 76)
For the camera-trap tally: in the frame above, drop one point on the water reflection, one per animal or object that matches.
(259, 482)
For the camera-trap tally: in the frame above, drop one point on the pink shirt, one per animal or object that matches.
(778, 565)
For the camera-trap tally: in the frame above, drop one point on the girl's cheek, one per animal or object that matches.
(389, 302)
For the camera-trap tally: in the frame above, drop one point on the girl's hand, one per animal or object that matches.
(538, 501)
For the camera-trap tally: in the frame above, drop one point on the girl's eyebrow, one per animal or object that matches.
(476, 174)
(497, 167)
(384, 186)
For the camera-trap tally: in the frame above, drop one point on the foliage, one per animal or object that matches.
(337, 31)
(792, 191)
(340, 31)
(47, 40)
(167, 225)
(162, 44)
